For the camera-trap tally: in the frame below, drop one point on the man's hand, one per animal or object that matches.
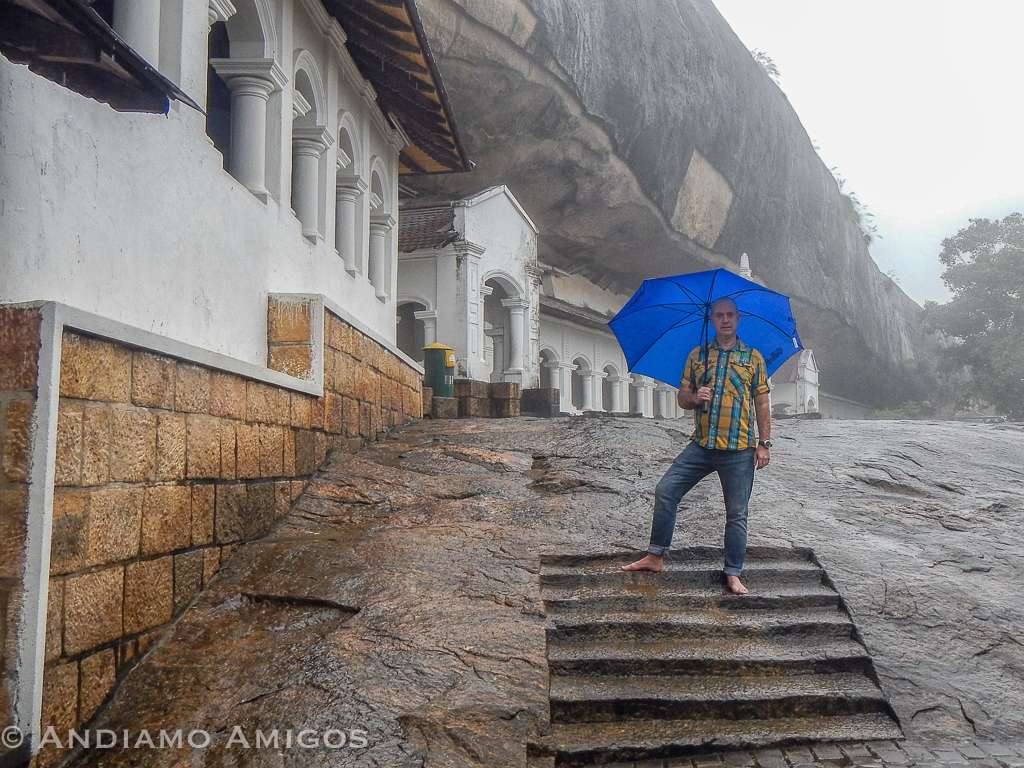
(703, 395)
(761, 457)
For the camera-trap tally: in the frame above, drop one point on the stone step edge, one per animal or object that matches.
(567, 688)
(754, 552)
(719, 733)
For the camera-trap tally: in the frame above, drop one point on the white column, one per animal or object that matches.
(429, 318)
(346, 238)
(565, 386)
(517, 316)
(598, 383)
(138, 22)
(380, 225)
(617, 395)
(308, 144)
(588, 391)
(646, 395)
(251, 82)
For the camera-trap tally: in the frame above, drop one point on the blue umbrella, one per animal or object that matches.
(669, 316)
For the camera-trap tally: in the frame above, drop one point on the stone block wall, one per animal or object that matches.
(19, 359)
(162, 468)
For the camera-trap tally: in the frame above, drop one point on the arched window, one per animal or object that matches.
(309, 140)
(349, 188)
(242, 64)
(379, 268)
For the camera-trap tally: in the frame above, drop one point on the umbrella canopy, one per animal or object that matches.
(669, 316)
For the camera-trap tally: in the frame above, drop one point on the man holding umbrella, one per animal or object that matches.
(726, 382)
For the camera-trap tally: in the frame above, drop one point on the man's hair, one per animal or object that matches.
(716, 302)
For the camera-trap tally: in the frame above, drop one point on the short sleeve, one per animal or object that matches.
(686, 383)
(759, 383)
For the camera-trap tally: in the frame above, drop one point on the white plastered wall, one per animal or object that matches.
(132, 216)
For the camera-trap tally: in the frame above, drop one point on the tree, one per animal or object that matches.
(984, 269)
(768, 63)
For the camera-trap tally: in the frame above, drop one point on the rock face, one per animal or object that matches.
(402, 595)
(645, 140)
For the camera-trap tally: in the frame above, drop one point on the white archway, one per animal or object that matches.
(504, 326)
(582, 388)
(379, 266)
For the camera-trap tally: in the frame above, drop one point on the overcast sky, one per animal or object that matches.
(917, 102)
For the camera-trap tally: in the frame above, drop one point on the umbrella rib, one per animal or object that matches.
(673, 305)
(783, 331)
(657, 338)
(687, 289)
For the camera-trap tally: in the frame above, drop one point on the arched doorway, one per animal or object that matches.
(812, 405)
(410, 333)
(503, 329)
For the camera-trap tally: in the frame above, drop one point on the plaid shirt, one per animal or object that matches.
(735, 376)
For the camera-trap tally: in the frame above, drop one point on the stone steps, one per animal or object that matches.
(699, 573)
(644, 665)
(689, 657)
(580, 744)
(701, 623)
(658, 598)
(603, 698)
(758, 554)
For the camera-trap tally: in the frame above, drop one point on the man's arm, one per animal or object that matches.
(764, 417)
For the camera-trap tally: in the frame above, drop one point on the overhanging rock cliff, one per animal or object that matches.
(645, 140)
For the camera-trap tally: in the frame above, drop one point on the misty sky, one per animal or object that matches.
(917, 102)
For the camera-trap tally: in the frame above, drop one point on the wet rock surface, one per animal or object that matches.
(401, 596)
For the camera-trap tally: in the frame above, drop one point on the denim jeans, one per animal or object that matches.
(735, 470)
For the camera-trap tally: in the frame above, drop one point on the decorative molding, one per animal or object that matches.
(300, 106)
(314, 138)
(344, 159)
(351, 182)
(516, 302)
(382, 220)
(261, 69)
(220, 10)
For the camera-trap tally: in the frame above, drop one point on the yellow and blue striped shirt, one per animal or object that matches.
(735, 376)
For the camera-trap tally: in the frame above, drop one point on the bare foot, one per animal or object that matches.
(645, 563)
(734, 585)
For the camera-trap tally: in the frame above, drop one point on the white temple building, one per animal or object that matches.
(795, 385)
(468, 276)
(288, 184)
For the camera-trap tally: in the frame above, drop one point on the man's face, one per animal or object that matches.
(725, 318)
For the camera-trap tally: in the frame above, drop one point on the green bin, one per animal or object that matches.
(439, 369)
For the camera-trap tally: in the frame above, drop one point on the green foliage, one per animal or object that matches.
(768, 63)
(863, 215)
(984, 321)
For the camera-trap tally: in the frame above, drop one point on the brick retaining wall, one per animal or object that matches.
(162, 467)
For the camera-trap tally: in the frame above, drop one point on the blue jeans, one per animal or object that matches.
(735, 470)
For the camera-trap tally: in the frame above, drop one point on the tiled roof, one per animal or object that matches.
(426, 228)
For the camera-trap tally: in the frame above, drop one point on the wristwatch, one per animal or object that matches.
(765, 443)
